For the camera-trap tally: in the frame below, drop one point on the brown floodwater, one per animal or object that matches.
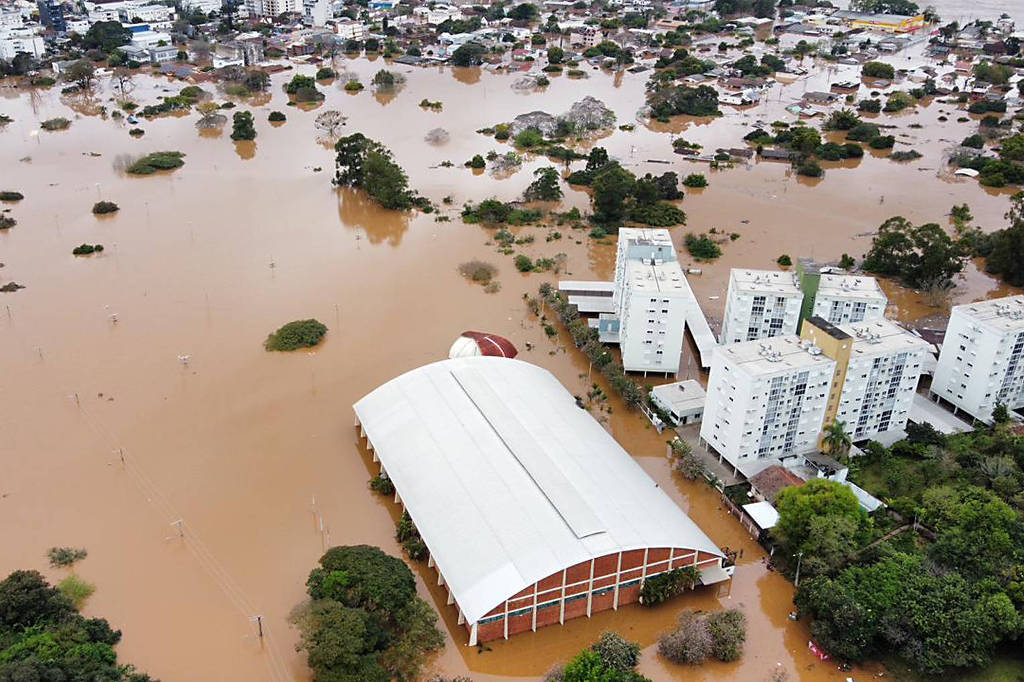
(135, 393)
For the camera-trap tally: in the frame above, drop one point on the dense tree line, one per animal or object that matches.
(43, 637)
(619, 195)
(937, 579)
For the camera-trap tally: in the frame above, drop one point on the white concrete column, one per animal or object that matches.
(462, 617)
(561, 605)
(440, 578)
(534, 625)
(472, 635)
(451, 599)
(506, 619)
(430, 560)
(590, 589)
(618, 581)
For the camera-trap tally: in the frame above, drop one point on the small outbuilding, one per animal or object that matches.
(683, 401)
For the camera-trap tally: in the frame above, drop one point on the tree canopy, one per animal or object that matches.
(922, 255)
(364, 621)
(43, 637)
(365, 164)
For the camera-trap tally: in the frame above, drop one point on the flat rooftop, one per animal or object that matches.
(882, 336)
(664, 278)
(681, 396)
(764, 282)
(853, 287)
(774, 355)
(645, 235)
(1000, 314)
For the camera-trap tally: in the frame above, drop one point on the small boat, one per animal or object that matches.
(132, 119)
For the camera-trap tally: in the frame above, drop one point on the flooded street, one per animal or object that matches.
(135, 392)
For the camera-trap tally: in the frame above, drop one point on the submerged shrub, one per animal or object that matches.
(297, 334)
(87, 249)
(157, 161)
(65, 556)
(8, 195)
(102, 207)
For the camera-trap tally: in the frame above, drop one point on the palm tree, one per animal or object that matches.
(836, 440)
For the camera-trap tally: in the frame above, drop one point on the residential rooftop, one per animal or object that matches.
(774, 355)
(1000, 314)
(666, 278)
(853, 287)
(764, 282)
(872, 337)
(681, 396)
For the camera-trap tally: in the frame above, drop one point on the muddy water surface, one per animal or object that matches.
(141, 418)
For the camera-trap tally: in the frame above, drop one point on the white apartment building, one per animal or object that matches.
(15, 40)
(652, 306)
(585, 36)
(881, 378)
(841, 299)
(982, 359)
(766, 401)
(645, 308)
(316, 12)
(272, 8)
(760, 304)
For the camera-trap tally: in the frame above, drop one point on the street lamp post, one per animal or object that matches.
(799, 557)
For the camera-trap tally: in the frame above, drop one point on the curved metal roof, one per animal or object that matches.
(508, 481)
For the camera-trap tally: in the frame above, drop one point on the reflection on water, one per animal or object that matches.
(357, 211)
(246, 149)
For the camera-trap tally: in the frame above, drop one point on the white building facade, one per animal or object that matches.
(15, 40)
(766, 401)
(760, 304)
(982, 359)
(842, 299)
(881, 378)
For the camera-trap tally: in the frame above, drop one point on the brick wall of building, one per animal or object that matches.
(576, 592)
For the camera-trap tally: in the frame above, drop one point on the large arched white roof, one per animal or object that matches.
(508, 481)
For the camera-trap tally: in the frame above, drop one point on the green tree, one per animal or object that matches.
(555, 55)
(919, 255)
(878, 70)
(842, 119)
(799, 505)
(612, 186)
(81, 73)
(836, 439)
(524, 12)
(365, 577)
(468, 54)
(546, 186)
(106, 36)
(242, 127)
(365, 164)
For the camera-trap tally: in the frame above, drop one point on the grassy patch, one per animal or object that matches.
(76, 589)
(157, 161)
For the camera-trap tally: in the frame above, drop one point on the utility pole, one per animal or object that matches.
(259, 624)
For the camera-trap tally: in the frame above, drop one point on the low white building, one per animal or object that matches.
(766, 401)
(436, 14)
(205, 6)
(760, 304)
(841, 299)
(350, 30)
(683, 401)
(982, 359)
